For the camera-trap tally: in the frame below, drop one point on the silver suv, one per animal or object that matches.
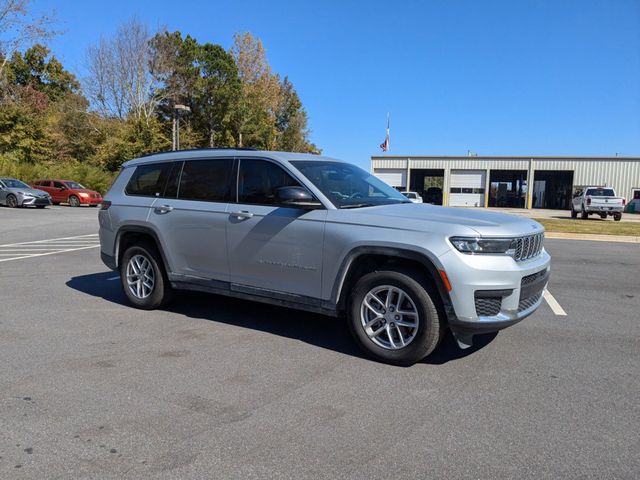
(318, 234)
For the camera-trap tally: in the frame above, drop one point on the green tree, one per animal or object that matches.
(255, 114)
(291, 122)
(42, 71)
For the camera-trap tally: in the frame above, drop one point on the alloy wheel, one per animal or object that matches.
(389, 317)
(140, 276)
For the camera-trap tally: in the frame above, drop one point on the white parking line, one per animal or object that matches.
(39, 248)
(47, 253)
(553, 303)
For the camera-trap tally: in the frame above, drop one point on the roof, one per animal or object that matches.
(203, 153)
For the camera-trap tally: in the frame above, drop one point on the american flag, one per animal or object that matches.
(385, 145)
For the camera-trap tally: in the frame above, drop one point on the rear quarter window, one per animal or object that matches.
(148, 180)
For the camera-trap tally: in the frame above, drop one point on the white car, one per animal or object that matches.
(602, 201)
(413, 196)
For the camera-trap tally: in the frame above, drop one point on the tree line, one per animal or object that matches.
(124, 107)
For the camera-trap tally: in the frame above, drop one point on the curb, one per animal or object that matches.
(592, 237)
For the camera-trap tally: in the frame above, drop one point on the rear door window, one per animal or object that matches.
(206, 180)
(58, 185)
(149, 180)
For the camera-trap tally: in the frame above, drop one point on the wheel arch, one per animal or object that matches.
(131, 234)
(365, 259)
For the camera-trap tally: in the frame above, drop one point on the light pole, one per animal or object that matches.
(176, 126)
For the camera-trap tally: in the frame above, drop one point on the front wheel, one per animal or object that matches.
(617, 217)
(12, 201)
(40, 206)
(143, 277)
(574, 214)
(74, 201)
(393, 318)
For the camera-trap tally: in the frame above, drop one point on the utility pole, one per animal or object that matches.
(176, 124)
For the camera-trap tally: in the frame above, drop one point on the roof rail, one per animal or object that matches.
(198, 150)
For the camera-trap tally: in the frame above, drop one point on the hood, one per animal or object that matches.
(423, 216)
(32, 191)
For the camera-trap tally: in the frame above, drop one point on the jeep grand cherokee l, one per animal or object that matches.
(322, 235)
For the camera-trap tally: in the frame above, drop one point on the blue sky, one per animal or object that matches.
(520, 77)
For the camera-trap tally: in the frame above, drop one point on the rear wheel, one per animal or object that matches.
(393, 318)
(584, 214)
(617, 217)
(143, 277)
(74, 201)
(12, 201)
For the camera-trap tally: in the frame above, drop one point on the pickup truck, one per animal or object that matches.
(602, 201)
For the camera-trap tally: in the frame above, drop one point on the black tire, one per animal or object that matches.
(617, 217)
(430, 327)
(74, 201)
(40, 206)
(584, 215)
(574, 214)
(162, 293)
(12, 201)
(603, 216)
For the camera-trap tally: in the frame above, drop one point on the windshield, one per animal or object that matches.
(601, 192)
(74, 185)
(12, 183)
(348, 186)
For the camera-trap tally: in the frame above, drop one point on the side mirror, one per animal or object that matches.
(296, 197)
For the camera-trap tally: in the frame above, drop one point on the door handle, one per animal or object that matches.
(163, 209)
(242, 215)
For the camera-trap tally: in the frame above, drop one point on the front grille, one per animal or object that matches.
(94, 195)
(488, 307)
(529, 302)
(529, 279)
(528, 247)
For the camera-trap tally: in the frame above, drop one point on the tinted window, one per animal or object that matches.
(148, 180)
(171, 190)
(58, 185)
(258, 181)
(45, 183)
(206, 180)
(601, 192)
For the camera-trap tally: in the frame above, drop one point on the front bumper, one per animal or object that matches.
(90, 200)
(512, 290)
(35, 201)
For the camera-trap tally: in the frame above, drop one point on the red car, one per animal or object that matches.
(67, 191)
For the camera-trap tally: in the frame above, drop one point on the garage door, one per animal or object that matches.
(466, 188)
(394, 177)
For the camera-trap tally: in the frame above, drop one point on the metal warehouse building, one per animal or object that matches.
(506, 181)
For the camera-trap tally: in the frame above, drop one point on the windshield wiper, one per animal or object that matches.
(358, 205)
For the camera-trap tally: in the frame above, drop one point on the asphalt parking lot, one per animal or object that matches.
(221, 388)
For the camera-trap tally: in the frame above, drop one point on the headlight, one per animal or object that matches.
(25, 194)
(83, 195)
(506, 246)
